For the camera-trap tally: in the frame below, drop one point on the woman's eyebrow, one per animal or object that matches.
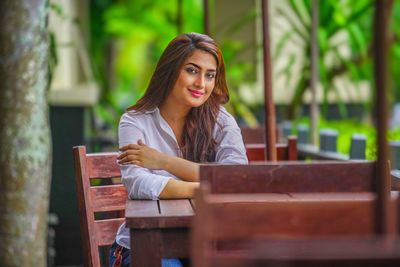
(197, 66)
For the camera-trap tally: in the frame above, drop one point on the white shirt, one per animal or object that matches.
(154, 131)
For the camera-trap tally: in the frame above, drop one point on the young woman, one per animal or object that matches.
(177, 124)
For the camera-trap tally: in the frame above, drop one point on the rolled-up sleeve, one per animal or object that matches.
(139, 182)
(230, 147)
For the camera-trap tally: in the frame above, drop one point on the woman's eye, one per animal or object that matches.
(191, 70)
(210, 75)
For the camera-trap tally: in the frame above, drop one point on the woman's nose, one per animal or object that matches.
(200, 82)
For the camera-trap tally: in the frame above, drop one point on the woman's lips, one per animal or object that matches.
(196, 93)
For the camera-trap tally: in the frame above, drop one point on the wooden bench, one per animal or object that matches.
(293, 177)
(97, 203)
(226, 226)
(253, 139)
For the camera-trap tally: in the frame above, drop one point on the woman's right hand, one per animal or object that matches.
(141, 155)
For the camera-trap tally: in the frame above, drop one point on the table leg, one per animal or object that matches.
(146, 248)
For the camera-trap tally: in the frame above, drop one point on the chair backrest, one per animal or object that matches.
(285, 152)
(293, 177)
(97, 202)
(225, 224)
(253, 135)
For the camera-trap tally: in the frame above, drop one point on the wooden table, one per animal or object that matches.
(161, 228)
(158, 229)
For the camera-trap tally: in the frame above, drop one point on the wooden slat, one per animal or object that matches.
(106, 230)
(290, 177)
(108, 197)
(296, 218)
(256, 152)
(292, 153)
(253, 135)
(103, 165)
(143, 214)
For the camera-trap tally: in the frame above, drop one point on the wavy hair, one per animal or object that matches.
(198, 144)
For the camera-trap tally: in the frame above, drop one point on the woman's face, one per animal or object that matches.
(196, 80)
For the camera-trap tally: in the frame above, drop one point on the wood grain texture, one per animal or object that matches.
(256, 151)
(108, 197)
(290, 177)
(105, 230)
(238, 223)
(102, 165)
(300, 218)
(308, 252)
(142, 214)
(93, 199)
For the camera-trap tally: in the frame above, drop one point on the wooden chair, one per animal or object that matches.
(291, 177)
(254, 142)
(253, 135)
(226, 227)
(285, 152)
(96, 203)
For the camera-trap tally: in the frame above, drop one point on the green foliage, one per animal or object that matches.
(346, 128)
(353, 18)
(134, 33)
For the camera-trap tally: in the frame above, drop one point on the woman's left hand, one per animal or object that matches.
(141, 155)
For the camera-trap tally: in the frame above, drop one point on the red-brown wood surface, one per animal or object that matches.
(291, 177)
(258, 216)
(253, 135)
(242, 220)
(322, 252)
(269, 105)
(284, 152)
(106, 230)
(93, 199)
(103, 165)
(149, 246)
(142, 214)
(108, 197)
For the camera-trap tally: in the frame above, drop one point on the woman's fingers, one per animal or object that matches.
(128, 158)
(130, 146)
(134, 162)
(128, 152)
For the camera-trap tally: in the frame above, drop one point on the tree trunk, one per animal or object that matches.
(25, 143)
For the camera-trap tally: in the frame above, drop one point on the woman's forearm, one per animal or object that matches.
(178, 189)
(182, 168)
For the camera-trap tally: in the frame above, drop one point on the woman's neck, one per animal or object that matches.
(173, 114)
(175, 118)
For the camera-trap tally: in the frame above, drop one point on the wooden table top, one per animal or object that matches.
(175, 213)
(171, 213)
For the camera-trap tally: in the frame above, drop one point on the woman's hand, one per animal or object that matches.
(141, 155)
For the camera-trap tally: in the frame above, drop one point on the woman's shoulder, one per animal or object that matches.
(224, 117)
(135, 117)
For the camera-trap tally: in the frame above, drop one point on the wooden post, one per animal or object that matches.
(206, 18)
(314, 71)
(381, 23)
(270, 136)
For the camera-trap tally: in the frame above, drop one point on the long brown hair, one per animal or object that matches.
(198, 143)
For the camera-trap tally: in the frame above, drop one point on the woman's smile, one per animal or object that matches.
(196, 93)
